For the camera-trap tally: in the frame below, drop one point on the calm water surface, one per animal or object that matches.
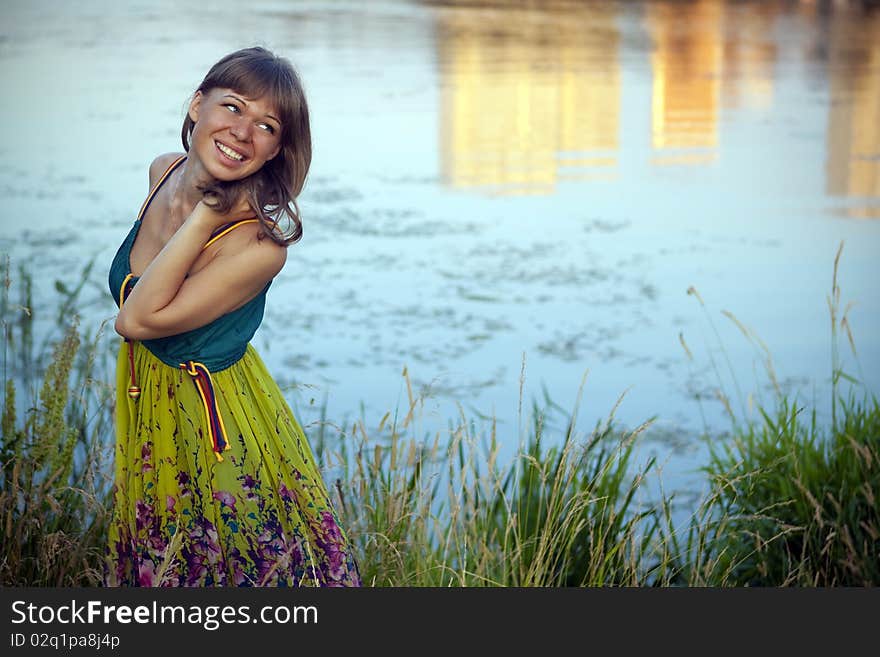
(495, 183)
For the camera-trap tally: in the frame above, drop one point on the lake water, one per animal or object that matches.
(495, 183)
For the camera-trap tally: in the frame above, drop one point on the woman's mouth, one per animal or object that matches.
(229, 153)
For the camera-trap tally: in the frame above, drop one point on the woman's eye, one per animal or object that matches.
(231, 107)
(268, 128)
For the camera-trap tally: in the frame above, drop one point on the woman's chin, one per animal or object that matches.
(222, 173)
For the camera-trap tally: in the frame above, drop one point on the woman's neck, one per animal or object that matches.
(193, 179)
(187, 190)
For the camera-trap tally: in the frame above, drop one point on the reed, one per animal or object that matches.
(801, 506)
(445, 511)
(790, 501)
(53, 476)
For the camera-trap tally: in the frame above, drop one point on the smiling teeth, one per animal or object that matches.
(231, 153)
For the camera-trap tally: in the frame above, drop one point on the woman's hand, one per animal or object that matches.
(206, 214)
(167, 300)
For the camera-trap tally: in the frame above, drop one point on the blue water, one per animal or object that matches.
(496, 185)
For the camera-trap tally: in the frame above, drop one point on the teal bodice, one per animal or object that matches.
(216, 345)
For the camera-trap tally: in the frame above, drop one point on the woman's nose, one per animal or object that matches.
(241, 129)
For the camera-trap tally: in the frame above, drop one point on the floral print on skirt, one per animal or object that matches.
(261, 517)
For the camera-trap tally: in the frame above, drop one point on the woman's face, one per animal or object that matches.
(233, 136)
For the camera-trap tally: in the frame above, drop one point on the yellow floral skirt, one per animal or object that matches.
(259, 517)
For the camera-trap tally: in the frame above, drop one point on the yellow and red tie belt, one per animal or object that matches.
(201, 377)
(216, 431)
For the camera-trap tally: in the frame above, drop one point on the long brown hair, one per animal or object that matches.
(271, 191)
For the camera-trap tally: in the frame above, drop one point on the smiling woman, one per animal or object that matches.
(254, 131)
(215, 482)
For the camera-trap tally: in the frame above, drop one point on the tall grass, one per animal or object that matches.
(53, 477)
(791, 502)
(802, 507)
(447, 512)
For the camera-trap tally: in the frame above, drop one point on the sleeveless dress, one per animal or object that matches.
(215, 483)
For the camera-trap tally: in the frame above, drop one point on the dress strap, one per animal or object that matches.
(158, 184)
(228, 228)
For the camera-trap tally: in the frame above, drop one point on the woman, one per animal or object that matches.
(215, 483)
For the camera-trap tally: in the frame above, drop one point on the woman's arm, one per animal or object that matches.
(167, 302)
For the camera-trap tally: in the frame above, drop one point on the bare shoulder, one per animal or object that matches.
(160, 164)
(244, 246)
(270, 255)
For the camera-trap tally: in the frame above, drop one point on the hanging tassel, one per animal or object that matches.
(134, 390)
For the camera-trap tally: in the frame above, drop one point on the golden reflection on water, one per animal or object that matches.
(853, 135)
(685, 64)
(532, 93)
(750, 55)
(529, 96)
